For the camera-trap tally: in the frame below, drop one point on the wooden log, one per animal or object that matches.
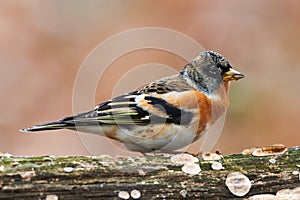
(150, 177)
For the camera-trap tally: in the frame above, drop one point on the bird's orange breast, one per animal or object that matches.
(195, 101)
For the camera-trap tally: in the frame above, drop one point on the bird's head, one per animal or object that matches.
(208, 71)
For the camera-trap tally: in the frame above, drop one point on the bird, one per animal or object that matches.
(164, 115)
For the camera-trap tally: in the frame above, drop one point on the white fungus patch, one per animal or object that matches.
(68, 169)
(47, 159)
(295, 172)
(123, 195)
(275, 149)
(27, 175)
(183, 193)
(141, 172)
(285, 193)
(248, 151)
(183, 158)
(211, 156)
(238, 184)
(7, 155)
(289, 193)
(135, 194)
(191, 168)
(2, 168)
(296, 192)
(51, 197)
(272, 160)
(16, 163)
(263, 197)
(260, 152)
(216, 166)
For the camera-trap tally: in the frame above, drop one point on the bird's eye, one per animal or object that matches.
(219, 65)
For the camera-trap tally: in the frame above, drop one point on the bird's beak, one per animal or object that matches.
(232, 75)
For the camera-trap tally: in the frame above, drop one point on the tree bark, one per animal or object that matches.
(153, 176)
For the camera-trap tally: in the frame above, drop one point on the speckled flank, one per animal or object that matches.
(166, 137)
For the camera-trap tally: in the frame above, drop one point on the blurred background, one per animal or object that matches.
(43, 43)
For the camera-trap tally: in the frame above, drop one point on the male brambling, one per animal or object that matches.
(165, 115)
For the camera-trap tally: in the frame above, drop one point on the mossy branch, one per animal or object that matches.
(151, 176)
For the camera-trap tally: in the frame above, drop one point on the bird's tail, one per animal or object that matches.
(47, 126)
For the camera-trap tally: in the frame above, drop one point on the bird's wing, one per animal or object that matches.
(168, 100)
(151, 104)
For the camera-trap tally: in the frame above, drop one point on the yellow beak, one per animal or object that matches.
(232, 75)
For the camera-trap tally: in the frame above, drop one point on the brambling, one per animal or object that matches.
(165, 115)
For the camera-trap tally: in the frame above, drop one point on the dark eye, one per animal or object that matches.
(220, 66)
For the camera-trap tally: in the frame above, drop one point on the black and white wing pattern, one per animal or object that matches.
(142, 107)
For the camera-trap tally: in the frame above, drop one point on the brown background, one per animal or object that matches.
(43, 43)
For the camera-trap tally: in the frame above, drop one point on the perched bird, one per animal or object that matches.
(165, 115)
